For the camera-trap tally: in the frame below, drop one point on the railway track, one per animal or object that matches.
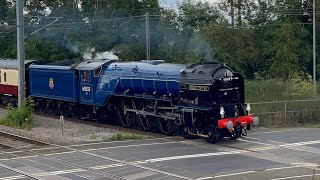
(96, 124)
(76, 165)
(111, 126)
(9, 141)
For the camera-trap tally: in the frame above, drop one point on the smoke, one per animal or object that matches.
(106, 55)
(91, 54)
(73, 47)
(202, 49)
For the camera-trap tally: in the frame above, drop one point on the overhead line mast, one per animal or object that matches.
(20, 51)
(314, 46)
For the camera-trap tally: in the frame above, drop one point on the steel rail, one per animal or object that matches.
(3, 146)
(24, 139)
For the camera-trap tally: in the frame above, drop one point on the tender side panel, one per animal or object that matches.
(53, 84)
(9, 81)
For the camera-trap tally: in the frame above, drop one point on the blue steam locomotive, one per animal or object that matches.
(202, 99)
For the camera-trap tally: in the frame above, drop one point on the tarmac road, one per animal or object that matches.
(276, 154)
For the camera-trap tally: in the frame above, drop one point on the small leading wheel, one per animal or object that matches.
(213, 135)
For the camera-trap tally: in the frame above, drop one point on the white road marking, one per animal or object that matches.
(96, 149)
(233, 174)
(98, 143)
(295, 165)
(269, 146)
(270, 169)
(12, 177)
(203, 178)
(192, 156)
(134, 145)
(284, 145)
(45, 174)
(108, 166)
(68, 152)
(24, 157)
(255, 142)
(280, 168)
(225, 175)
(280, 131)
(140, 175)
(111, 142)
(292, 177)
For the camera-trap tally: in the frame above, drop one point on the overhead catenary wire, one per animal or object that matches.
(157, 29)
(152, 17)
(130, 17)
(153, 29)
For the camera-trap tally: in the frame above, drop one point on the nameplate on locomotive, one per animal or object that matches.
(198, 88)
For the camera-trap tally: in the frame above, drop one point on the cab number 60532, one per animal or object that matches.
(86, 88)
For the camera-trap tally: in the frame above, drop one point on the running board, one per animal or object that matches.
(146, 113)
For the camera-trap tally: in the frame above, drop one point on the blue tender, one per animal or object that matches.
(53, 82)
(94, 82)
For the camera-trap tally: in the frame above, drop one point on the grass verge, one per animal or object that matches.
(124, 136)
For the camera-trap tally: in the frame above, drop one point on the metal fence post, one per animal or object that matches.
(285, 112)
(62, 124)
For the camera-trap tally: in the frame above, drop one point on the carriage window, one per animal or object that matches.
(0, 76)
(5, 77)
(85, 76)
(97, 71)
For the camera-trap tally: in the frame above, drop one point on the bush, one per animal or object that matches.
(124, 136)
(277, 90)
(20, 117)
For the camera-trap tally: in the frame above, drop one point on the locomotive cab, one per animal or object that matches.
(89, 74)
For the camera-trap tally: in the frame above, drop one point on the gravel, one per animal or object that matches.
(48, 129)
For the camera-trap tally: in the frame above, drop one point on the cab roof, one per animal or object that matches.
(92, 64)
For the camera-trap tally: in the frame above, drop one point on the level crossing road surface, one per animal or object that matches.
(276, 154)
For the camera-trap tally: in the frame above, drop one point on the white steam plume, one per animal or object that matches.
(91, 54)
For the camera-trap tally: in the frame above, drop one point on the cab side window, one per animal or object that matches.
(97, 71)
(85, 75)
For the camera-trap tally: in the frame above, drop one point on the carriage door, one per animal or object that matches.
(86, 91)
